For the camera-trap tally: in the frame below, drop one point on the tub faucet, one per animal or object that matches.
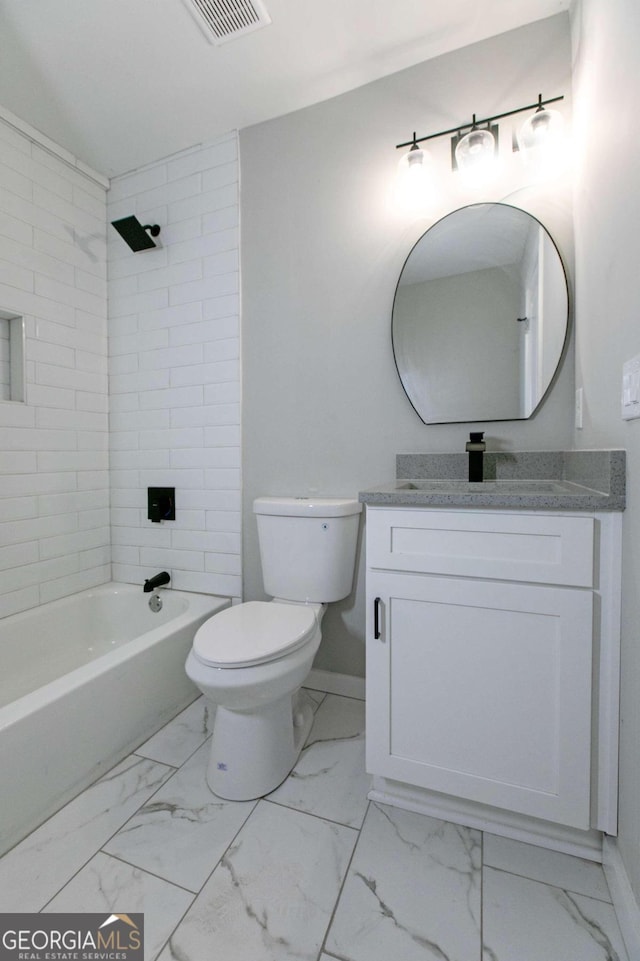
(156, 581)
(476, 447)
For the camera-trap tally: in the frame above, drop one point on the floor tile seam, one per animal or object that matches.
(207, 879)
(323, 949)
(194, 894)
(151, 874)
(224, 853)
(168, 763)
(549, 884)
(70, 800)
(316, 691)
(69, 879)
(99, 849)
(197, 891)
(147, 757)
(142, 804)
(173, 931)
(345, 697)
(59, 810)
(319, 817)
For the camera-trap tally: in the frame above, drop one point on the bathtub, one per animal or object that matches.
(83, 681)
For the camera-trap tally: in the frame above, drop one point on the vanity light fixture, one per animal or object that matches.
(475, 145)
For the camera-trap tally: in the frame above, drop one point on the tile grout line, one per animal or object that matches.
(176, 767)
(311, 814)
(71, 800)
(216, 865)
(99, 849)
(209, 876)
(344, 881)
(551, 884)
(151, 874)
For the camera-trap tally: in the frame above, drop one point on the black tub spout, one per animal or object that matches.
(156, 581)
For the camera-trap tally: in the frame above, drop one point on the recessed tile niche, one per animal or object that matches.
(11, 357)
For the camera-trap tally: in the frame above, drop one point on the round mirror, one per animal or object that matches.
(480, 316)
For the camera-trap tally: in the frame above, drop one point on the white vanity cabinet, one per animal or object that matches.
(492, 658)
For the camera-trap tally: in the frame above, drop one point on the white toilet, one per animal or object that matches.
(250, 660)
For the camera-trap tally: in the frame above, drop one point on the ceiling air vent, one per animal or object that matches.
(223, 20)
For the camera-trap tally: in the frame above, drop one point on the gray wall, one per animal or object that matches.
(322, 248)
(607, 200)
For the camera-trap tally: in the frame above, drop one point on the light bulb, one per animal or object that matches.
(544, 145)
(475, 148)
(476, 155)
(415, 187)
(540, 129)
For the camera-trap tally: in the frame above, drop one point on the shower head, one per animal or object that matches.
(132, 231)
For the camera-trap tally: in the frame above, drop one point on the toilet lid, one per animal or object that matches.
(253, 633)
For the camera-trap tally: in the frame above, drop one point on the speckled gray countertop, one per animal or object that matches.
(582, 480)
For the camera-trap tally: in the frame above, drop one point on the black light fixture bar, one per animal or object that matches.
(478, 123)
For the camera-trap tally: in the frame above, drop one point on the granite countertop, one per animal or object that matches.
(584, 480)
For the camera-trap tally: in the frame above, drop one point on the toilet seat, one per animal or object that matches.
(253, 633)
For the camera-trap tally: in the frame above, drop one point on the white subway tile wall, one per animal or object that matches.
(174, 371)
(54, 490)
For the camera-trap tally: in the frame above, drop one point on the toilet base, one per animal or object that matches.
(252, 752)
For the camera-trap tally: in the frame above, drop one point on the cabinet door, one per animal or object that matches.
(482, 690)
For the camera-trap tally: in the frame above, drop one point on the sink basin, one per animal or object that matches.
(515, 487)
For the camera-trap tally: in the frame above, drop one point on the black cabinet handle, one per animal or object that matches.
(376, 618)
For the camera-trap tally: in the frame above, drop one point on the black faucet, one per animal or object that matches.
(476, 447)
(156, 581)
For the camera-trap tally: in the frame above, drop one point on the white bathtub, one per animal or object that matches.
(83, 681)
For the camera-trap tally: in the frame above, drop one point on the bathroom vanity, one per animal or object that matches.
(493, 644)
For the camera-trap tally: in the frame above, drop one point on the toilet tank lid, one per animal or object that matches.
(307, 506)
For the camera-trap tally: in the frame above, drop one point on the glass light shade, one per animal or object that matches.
(476, 149)
(415, 188)
(542, 128)
(544, 146)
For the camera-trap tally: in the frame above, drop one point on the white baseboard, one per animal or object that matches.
(332, 683)
(624, 902)
(520, 827)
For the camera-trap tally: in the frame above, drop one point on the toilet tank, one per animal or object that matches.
(307, 546)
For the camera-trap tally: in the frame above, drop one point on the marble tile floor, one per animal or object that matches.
(314, 872)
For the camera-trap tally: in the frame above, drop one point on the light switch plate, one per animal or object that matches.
(631, 388)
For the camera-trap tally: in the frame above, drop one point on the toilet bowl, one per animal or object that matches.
(251, 659)
(250, 663)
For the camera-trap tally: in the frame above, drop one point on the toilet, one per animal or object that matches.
(251, 659)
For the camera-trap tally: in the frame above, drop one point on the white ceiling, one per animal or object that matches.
(121, 83)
